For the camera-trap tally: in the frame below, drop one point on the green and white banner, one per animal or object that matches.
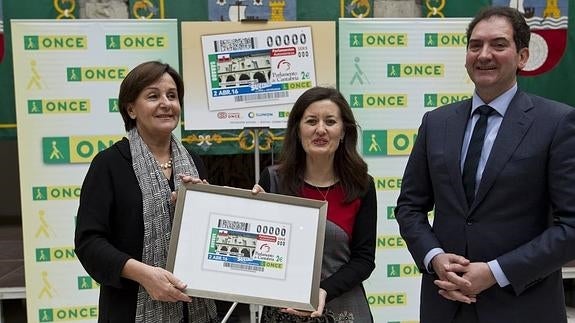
(66, 81)
(392, 71)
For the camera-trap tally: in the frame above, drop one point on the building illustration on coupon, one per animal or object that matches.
(260, 68)
(239, 245)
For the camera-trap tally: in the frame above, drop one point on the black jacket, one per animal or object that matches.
(110, 228)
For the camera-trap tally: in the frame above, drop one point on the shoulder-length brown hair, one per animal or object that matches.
(138, 79)
(349, 167)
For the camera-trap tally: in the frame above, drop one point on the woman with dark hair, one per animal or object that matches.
(319, 160)
(127, 206)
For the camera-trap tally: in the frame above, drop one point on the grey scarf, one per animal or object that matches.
(158, 215)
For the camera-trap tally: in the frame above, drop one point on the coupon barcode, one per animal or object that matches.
(233, 225)
(243, 267)
(261, 96)
(231, 45)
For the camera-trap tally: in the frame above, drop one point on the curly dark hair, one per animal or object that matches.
(138, 79)
(349, 167)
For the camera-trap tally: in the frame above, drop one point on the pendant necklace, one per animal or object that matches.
(165, 165)
(326, 191)
(323, 195)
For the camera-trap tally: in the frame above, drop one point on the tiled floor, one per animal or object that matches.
(15, 312)
(11, 256)
(11, 271)
(244, 315)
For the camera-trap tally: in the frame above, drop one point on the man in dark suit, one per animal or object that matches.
(502, 181)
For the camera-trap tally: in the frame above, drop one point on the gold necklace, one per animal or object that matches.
(320, 191)
(165, 165)
(326, 193)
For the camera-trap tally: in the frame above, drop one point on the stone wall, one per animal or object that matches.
(397, 8)
(103, 9)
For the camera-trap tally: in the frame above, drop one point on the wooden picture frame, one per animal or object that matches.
(230, 244)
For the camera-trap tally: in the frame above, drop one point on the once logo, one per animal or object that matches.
(390, 212)
(298, 85)
(113, 105)
(445, 40)
(390, 242)
(84, 148)
(77, 149)
(55, 254)
(67, 313)
(59, 106)
(89, 74)
(387, 299)
(59, 42)
(433, 100)
(46, 315)
(385, 40)
(376, 100)
(391, 142)
(56, 150)
(388, 183)
(148, 41)
(87, 282)
(415, 70)
(41, 193)
(402, 270)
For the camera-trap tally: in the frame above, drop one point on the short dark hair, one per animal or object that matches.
(138, 79)
(521, 31)
(349, 167)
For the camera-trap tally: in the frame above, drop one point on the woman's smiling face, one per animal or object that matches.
(321, 128)
(157, 108)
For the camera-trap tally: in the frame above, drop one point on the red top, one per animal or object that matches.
(339, 213)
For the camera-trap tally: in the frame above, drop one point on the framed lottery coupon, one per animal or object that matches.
(258, 68)
(265, 249)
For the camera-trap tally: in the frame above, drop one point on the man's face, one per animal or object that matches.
(492, 59)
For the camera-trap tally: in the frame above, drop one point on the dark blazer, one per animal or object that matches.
(523, 214)
(110, 228)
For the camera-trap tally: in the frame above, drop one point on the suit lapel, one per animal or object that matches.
(515, 124)
(454, 130)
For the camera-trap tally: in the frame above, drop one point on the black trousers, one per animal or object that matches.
(466, 314)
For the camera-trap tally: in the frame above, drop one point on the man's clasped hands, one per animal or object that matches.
(459, 279)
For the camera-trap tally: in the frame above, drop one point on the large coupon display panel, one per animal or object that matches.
(248, 75)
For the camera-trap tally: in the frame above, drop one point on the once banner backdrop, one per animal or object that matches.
(392, 71)
(66, 79)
